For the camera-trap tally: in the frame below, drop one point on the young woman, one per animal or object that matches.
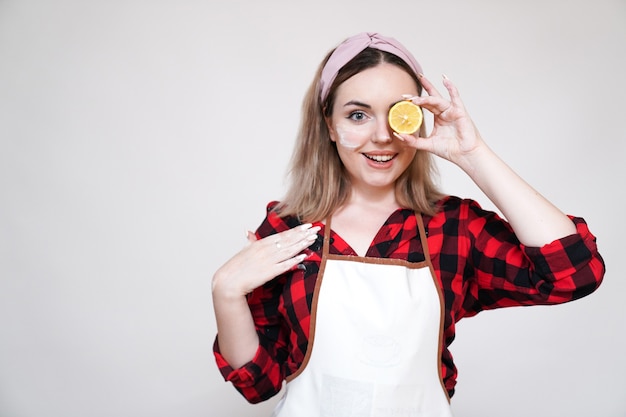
(351, 287)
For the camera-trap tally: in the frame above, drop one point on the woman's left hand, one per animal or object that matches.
(454, 135)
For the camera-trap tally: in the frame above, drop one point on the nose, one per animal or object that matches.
(382, 134)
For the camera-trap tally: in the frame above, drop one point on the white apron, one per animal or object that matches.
(375, 341)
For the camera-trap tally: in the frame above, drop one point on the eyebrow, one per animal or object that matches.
(357, 103)
(367, 106)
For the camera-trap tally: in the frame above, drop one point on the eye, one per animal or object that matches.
(357, 116)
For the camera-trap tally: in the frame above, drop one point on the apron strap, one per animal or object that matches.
(326, 244)
(423, 238)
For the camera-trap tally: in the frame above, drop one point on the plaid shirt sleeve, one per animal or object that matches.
(481, 265)
(501, 272)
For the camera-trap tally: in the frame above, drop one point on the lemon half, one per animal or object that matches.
(405, 117)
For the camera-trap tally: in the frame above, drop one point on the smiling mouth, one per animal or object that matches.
(379, 158)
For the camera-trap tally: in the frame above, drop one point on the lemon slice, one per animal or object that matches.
(405, 117)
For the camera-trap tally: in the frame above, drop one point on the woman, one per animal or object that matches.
(351, 287)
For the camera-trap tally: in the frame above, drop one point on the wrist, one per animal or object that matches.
(477, 159)
(223, 288)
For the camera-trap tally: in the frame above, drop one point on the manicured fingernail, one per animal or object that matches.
(420, 75)
(398, 136)
(445, 77)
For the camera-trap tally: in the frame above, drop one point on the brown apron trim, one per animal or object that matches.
(380, 261)
(442, 318)
(316, 296)
(423, 239)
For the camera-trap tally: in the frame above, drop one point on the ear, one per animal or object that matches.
(331, 130)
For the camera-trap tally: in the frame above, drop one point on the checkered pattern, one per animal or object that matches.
(476, 256)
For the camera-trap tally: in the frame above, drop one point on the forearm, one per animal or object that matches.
(535, 220)
(259, 262)
(237, 337)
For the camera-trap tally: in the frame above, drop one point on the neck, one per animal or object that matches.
(373, 198)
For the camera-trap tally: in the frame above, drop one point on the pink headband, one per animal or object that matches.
(352, 46)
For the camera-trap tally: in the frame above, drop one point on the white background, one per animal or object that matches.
(139, 140)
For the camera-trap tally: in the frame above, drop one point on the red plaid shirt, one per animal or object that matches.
(477, 259)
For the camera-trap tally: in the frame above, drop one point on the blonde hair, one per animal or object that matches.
(318, 182)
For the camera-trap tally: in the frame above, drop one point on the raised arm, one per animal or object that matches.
(454, 137)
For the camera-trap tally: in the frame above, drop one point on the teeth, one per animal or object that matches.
(380, 158)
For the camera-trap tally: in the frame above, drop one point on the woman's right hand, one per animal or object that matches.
(263, 260)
